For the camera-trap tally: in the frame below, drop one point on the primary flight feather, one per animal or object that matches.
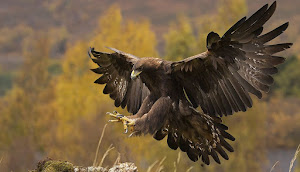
(163, 95)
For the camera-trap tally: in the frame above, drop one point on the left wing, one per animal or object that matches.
(115, 69)
(220, 79)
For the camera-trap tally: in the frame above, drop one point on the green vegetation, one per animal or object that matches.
(180, 40)
(54, 166)
(287, 82)
(5, 82)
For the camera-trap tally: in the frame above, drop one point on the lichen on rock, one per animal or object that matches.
(90, 169)
(49, 165)
(124, 167)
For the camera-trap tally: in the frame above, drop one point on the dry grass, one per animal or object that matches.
(1, 161)
(189, 169)
(274, 166)
(177, 163)
(159, 167)
(105, 155)
(118, 159)
(110, 148)
(151, 166)
(99, 143)
(294, 159)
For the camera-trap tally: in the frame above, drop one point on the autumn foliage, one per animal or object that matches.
(53, 109)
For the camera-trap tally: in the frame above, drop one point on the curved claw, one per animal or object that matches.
(115, 114)
(90, 52)
(119, 115)
(114, 120)
(133, 133)
(126, 130)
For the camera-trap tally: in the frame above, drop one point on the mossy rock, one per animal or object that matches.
(54, 166)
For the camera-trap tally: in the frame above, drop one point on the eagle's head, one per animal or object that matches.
(145, 65)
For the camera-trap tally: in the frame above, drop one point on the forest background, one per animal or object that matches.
(49, 106)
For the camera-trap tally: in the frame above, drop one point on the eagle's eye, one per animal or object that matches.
(135, 73)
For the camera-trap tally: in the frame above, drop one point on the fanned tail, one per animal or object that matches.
(199, 135)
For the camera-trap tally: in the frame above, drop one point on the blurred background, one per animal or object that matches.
(50, 107)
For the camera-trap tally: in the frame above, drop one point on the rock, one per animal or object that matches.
(124, 167)
(90, 169)
(49, 165)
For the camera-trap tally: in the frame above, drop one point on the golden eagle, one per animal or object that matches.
(163, 95)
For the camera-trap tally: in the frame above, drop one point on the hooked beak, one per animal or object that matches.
(135, 74)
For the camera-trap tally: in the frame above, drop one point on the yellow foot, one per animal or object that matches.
(127, 123)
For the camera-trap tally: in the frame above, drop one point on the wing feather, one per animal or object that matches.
(115, 69)
(236, 64)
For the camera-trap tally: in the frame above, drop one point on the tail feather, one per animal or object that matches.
(204, 137)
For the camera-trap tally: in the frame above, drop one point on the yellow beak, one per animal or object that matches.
(134, 74)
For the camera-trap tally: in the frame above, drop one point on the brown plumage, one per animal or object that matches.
(163, 95)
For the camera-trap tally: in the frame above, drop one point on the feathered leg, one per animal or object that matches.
(149, 118)
(154, 119)
(129, 121)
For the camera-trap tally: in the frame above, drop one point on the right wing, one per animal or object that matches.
(115, 69)
(220, 79)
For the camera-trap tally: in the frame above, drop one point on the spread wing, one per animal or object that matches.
(115, 69)
(239, 63)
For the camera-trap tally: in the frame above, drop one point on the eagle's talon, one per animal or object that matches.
(115, 114)
(110, 114)
(114, 120)
(127, 122)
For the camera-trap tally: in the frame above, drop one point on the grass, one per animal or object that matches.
(1, 161)
(105, 155)
(99, 143)
(110, 148)
(159, 167)
(294, 159)
(177, 164)
(274, 166)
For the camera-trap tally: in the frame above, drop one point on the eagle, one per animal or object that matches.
(185, 100)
